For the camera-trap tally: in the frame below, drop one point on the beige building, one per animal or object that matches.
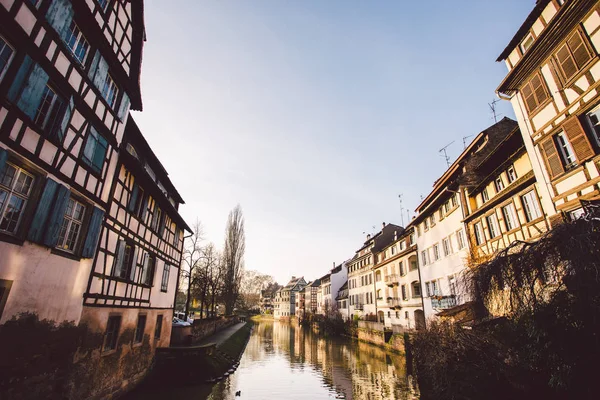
(552, 83)
(397, 268)
(503, 203)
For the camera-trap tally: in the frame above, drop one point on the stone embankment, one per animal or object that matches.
(375, 333)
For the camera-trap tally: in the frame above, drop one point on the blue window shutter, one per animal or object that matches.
(62, 129)
(133, 199)
(56, 216)
(100, 72)
(19, 81)
(124, 107)
(31, 96)
(94, 65)
(59, 15)
(3, 157)
(89, 247)
(144, 208)
(99, 153)
(36, 230)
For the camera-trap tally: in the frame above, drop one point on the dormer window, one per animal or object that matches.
(526, 43)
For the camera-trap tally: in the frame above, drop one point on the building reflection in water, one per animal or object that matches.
(286, 361)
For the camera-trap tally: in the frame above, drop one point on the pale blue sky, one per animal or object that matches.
(315, 115)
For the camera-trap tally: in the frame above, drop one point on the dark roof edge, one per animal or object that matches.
(527, 24)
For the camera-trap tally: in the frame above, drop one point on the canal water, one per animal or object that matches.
(285, 361)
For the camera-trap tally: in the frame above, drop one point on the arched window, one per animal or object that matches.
(416, 289)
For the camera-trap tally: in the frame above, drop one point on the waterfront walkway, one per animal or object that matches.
(221, 336)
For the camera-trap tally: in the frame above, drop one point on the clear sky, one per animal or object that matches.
(315, 115)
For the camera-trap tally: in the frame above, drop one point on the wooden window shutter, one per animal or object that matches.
(14, 92)
(566, 62)
(578, 138)
(59, 15)
(529, 97)
(133, 198)
(539, 88)
(3, 158)
(579, 49)
(28, 95)
(36, 230)
(62, 129)
(89, 247)
(552, 158)
(55, 219)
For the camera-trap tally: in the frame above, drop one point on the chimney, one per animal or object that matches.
(382, 225)
(395, 235)
(368, 236)
(293, 277)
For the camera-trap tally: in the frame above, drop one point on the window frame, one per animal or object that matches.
(499, 184)
(460, 239)
(11, 192)
(71, 221)
(493, 227)
(10, 58)
(565, 150)
(97, 137)
(485, 197)
(164, 281)
(138, 336)
(51, 116)
(114, 338)
(128, 262)
(526, 206)
(79, 40)
(110, 88)
(522, 43)
(512, 177)
(479, 233)
(535, 92)
(511, 219)
(559, 67)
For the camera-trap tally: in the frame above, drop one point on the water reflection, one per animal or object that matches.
(285, 361)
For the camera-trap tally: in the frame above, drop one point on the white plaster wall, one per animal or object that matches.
(49, 285)
(445, 266)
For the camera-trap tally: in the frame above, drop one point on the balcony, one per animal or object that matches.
(393, 302)
(443, 302)
(358, 306)
(392, 280)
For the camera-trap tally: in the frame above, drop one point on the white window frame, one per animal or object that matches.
(110, 91)
(499, 184)
(510, 216)
(493, 227)
(531, 206)
(460, 239)
(11, 192)
(10, 57)
(436, 252)
(52, 100)
(566, 150)
(447, 245)
(66, 241)
(79, 42)
(485, 197)
(530, 39)
(479, 235)
(511, 174)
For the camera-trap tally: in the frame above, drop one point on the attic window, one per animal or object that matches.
(526, 43)
(131, 150)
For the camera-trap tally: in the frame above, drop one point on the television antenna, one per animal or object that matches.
(465, 140)
(445, 155)
(401, 209)
(492, 106)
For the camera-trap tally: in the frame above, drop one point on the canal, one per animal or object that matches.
(285, 361)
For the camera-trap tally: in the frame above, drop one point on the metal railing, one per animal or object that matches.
(442, 302)
(358, 306)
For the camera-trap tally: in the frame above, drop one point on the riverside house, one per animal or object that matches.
(285, 298)
(69, 73)
(553, 85)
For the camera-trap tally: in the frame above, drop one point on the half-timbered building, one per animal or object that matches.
(553, 84)
(69, 73)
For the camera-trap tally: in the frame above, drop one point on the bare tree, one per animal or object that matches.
(192, 255)
(233, 257)
(252, 283)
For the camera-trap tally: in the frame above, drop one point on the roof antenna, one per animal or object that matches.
(401, 208)
(493, 109)
(465, 140)
(443, 150)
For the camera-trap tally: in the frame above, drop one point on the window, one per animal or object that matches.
(499, 184)
(5, 286)
(406, 314)
(139, 329)
(492, 222)
(427, 289)
(435, 290)
(572, 56)
(122, 267)
(534, 92)
(51, 106)
(424, 257)
(103, 4)
(136, 201)
(404, 293)
(401, 268)
(447, 207)
(148, 269)
(593, 118)
(413, 263)
(576, 214)
(164, 282)
(393, 250)
(109, 91)
(432, 220)
(531, 206)
(526, 43)
(416, 289)
(94, 152)
(156, 217)
(460, 239)
(453, 200)
(111, 335)
(447, 246)
(15, 188)
(77, 43)
(452, 285)
(511, 174)
(411, 239)
(479, 237)
(436, 252)
(484, 195)
(6, 56)
(565, 149)
(158, 326)
(71, 226)
(510, 216)
(426, 225)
